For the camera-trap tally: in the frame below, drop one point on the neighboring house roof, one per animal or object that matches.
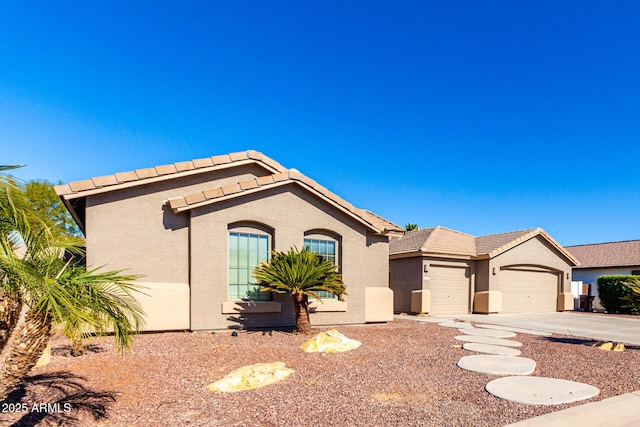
(74, 193)
(610, 254)
(443, 241)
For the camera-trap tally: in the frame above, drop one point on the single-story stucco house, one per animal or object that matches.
(604, 259)
(196, 229)
(442, 271)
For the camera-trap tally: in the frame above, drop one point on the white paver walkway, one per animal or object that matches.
(514, 329)
(487, 333)
(498, 365)
(488, 340)
(540, 390)
(491, 349)
(459, 325)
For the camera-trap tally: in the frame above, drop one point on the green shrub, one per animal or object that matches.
(614, 291)
(632, 301)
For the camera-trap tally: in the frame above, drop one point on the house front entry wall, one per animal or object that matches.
(405, 276)
(131, 229)
(290, 212)
(530, 276)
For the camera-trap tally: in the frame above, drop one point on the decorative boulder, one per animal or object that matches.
(330, 342)
(251, 376)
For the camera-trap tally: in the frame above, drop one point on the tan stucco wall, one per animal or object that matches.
(482, 275)
(131, 229)
(405, 276)
(534, 252)
(290, 212)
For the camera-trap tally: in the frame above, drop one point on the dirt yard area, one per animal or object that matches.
(404, 374)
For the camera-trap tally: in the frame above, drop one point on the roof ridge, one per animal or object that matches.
(509, 232)
(513, 242)
(454, 231)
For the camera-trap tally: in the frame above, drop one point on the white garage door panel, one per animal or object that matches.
(449, 290)
(528, 291)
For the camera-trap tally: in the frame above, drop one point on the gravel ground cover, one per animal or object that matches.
(404, 374)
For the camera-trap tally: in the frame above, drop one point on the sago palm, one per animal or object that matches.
(301, 274)
(55, 292)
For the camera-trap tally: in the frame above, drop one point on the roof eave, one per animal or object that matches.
(529, 236)
(159, 178)
(290, 181)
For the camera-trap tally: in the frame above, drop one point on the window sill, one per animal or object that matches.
(245, 307)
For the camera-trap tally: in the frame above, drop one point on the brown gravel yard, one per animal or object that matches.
(404, 374)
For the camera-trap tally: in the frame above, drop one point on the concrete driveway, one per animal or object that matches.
(596, 326)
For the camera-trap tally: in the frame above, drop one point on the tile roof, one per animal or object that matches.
(610, 254)
(440, 240)
(203, 198)
(163, 172)
(486, 245)
(435, 240)
(78, 190)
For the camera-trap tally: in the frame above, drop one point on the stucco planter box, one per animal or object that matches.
(487, 302)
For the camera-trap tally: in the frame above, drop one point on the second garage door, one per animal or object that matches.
(528, 291)
(449, 288)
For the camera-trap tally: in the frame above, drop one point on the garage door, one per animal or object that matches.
(449, 290)
(528, 291)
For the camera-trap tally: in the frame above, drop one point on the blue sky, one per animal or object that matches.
(483, 117)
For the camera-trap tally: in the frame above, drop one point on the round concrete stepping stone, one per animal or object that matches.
(487, 333)
(488, 340)
(514, 329)
(497, 365)
(491, 349)
(458, 325)
(540, 390)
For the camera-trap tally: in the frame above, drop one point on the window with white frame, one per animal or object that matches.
(246, 251)
(327, 249)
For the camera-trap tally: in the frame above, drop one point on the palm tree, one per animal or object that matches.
(411, 227)
(56, 293)
(301, 274)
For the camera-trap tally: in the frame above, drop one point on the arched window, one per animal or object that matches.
(325, 244)
(249, 245)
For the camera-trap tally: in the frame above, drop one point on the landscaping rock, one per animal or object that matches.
(251, 376)
(330, 342)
